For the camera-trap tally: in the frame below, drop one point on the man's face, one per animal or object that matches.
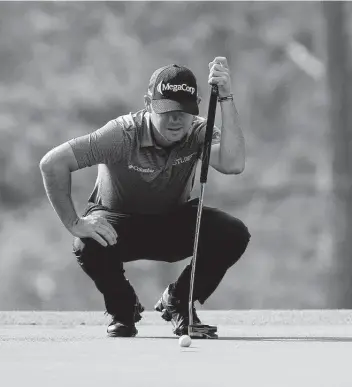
(172, 126)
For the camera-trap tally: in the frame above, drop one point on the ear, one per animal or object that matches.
(148, 102)
(199, 99)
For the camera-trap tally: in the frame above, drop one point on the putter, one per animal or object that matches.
(200, 330)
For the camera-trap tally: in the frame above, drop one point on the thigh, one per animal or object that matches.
(219, 224)
(165, 237)
(222, 235)
(170, 237)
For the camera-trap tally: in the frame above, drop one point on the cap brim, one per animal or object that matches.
(168, 105)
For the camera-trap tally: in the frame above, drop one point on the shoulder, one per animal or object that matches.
(198, 122)
(130, 121)
(199, 127)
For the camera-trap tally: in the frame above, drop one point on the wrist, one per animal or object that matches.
(228, 97)
(72, 223)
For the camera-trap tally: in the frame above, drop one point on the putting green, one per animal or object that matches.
(255, 348)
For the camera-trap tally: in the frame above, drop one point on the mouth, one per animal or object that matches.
(174, 129)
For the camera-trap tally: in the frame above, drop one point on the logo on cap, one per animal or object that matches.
(169, 87)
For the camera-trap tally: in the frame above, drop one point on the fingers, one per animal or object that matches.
(219, 67)
(102, 231)
(219, 72)
(111, 228)
(220, 60)
(99, 239)
(106, 233)
(218, 77)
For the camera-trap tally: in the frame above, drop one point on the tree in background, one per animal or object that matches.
(68, 67)
(339, 84)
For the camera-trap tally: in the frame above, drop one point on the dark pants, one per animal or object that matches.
(167, 237)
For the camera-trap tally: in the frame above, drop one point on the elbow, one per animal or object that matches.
(237, 170)
(46, 163)
(233, 169)
(232, 165)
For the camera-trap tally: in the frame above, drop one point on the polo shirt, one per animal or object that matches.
(135, 175)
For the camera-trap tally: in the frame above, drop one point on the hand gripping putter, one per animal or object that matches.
(200, 330)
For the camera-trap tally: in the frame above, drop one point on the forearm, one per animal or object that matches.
(57, 183)
(232, 143)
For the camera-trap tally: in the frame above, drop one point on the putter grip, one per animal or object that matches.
(209, 133)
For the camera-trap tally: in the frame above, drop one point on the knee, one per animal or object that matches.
(238, 237)
(241, 232)
(235, 239)
(96, 260)
(82, 246)
(87, 250)
(227, 231)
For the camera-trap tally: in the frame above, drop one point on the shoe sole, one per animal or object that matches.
(139, 308)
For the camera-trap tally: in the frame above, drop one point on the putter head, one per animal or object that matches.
(202, 331)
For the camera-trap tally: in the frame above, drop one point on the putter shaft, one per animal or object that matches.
(203, 180)
(194, 258)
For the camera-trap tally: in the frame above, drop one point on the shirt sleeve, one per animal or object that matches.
(103, 146)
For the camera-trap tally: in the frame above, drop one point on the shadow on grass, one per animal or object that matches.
(274, 338)
(228, 338)
(290, 338)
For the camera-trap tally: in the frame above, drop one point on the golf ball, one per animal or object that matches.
(184, 341)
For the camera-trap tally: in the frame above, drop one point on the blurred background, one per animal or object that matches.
(67, 68)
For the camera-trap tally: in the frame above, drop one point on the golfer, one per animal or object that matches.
(141, 206)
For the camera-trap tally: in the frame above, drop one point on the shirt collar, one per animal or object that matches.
(146, 137)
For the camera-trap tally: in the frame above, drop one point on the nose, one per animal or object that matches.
(175, 117)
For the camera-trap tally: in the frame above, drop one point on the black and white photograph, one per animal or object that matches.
(175, 193)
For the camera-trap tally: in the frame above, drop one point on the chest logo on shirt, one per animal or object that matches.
(178, 161)
(184, 159)
(139, 169)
